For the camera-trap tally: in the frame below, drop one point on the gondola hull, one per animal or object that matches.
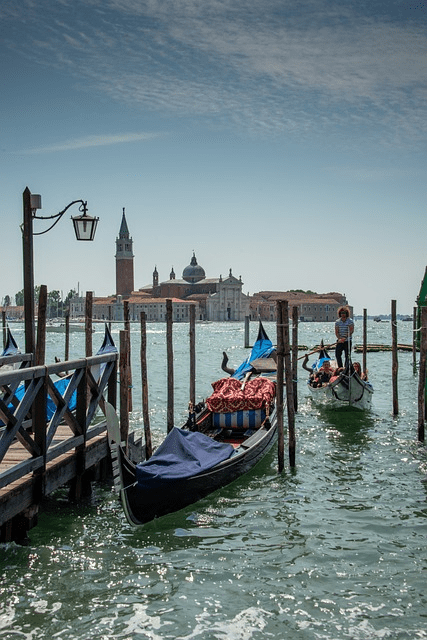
(344, 392)
(228, 436)
(142, 506)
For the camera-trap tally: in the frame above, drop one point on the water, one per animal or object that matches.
(334, 549)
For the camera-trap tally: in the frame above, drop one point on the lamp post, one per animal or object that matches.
(84, 227)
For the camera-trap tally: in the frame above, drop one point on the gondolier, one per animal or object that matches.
(344, 328)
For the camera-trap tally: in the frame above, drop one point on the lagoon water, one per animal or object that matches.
(333, 550)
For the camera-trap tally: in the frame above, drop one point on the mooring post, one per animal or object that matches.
(395, 364)
(289, 383)
(169, 349)
(193, 355)
(41, 326)
(414, 340)
(3, 319)
(422, 376)
(295, 355)
(144, 381)
(279, 388)
(67, 335)
(88, 323)
(124, 386)
(246, 332)
(126, 317)
(365, 324)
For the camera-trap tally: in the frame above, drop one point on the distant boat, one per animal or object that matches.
(60, 327)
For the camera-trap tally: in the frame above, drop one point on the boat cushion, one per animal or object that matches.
(181, 455)
(239, 419)
(228, 395)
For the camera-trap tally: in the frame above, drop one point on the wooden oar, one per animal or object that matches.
(328, 346)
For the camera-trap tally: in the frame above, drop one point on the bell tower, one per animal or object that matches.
(124, 261)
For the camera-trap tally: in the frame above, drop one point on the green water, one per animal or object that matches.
(334, 549)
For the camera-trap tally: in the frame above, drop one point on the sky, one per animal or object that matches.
(283, 140)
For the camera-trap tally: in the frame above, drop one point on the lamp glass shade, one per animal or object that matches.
(84, 227)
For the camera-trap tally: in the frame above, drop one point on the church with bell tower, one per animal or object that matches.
(124, 261)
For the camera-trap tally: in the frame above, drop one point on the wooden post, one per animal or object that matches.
(169, 348)
(246, 332)
(3, 318)
(365, 324)
(395, 364)
(67, 335)
(126, 318)
(124, 386)
(289, 383)
(77, 483)
(279, 389)
(41, 327)
(414, 341)
(295, 355)
(422, 376)
(88, 323)
(193, 355)
(144, 381)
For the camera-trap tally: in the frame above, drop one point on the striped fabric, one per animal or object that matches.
(239, 419)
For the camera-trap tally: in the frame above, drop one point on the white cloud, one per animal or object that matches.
(92, 141)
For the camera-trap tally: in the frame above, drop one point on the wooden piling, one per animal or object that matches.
(169, 349)
(279, 389)
(3, 320)
(193, 355)
(247, 320)
(395, 364)
(144, 381)
(124, 385)
(422, 376)
(289, 383)
(67, 336)
(414, 340)
(88, 323)
(365, 325)
(126, 318)
(295, 356)
(41, 327)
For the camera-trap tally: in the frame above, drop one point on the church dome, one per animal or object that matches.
(194, 272)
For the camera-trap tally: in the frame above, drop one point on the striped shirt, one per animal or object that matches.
(343, 327)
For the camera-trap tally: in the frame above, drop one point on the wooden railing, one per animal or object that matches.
(25, 394)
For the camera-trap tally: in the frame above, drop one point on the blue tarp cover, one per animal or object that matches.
(181, 455)
(263, 348)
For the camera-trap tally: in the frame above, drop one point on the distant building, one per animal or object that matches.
(124, 261)
(215, 299)
(312, 307)
(218, 299)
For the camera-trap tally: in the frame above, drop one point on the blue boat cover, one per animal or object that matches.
(263, 348)
(181, 455)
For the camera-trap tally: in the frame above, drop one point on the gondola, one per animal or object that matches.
(224, 437)
(61, 385)
(347, 389)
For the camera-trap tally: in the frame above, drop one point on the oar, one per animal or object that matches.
(328, 346)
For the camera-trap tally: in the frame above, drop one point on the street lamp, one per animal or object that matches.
(84, 227)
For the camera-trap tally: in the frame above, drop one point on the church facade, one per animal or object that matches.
(215, 299)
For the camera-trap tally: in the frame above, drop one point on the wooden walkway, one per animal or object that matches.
(38, 456)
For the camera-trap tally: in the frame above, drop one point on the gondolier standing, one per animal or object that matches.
(344, 328)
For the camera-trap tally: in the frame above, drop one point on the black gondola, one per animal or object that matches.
(215, 446)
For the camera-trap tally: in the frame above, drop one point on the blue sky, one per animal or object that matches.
(284, 140)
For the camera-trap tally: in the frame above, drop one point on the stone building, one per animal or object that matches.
(218, 299)
(312, 307)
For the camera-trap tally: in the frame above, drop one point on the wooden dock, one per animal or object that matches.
(41, 451)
